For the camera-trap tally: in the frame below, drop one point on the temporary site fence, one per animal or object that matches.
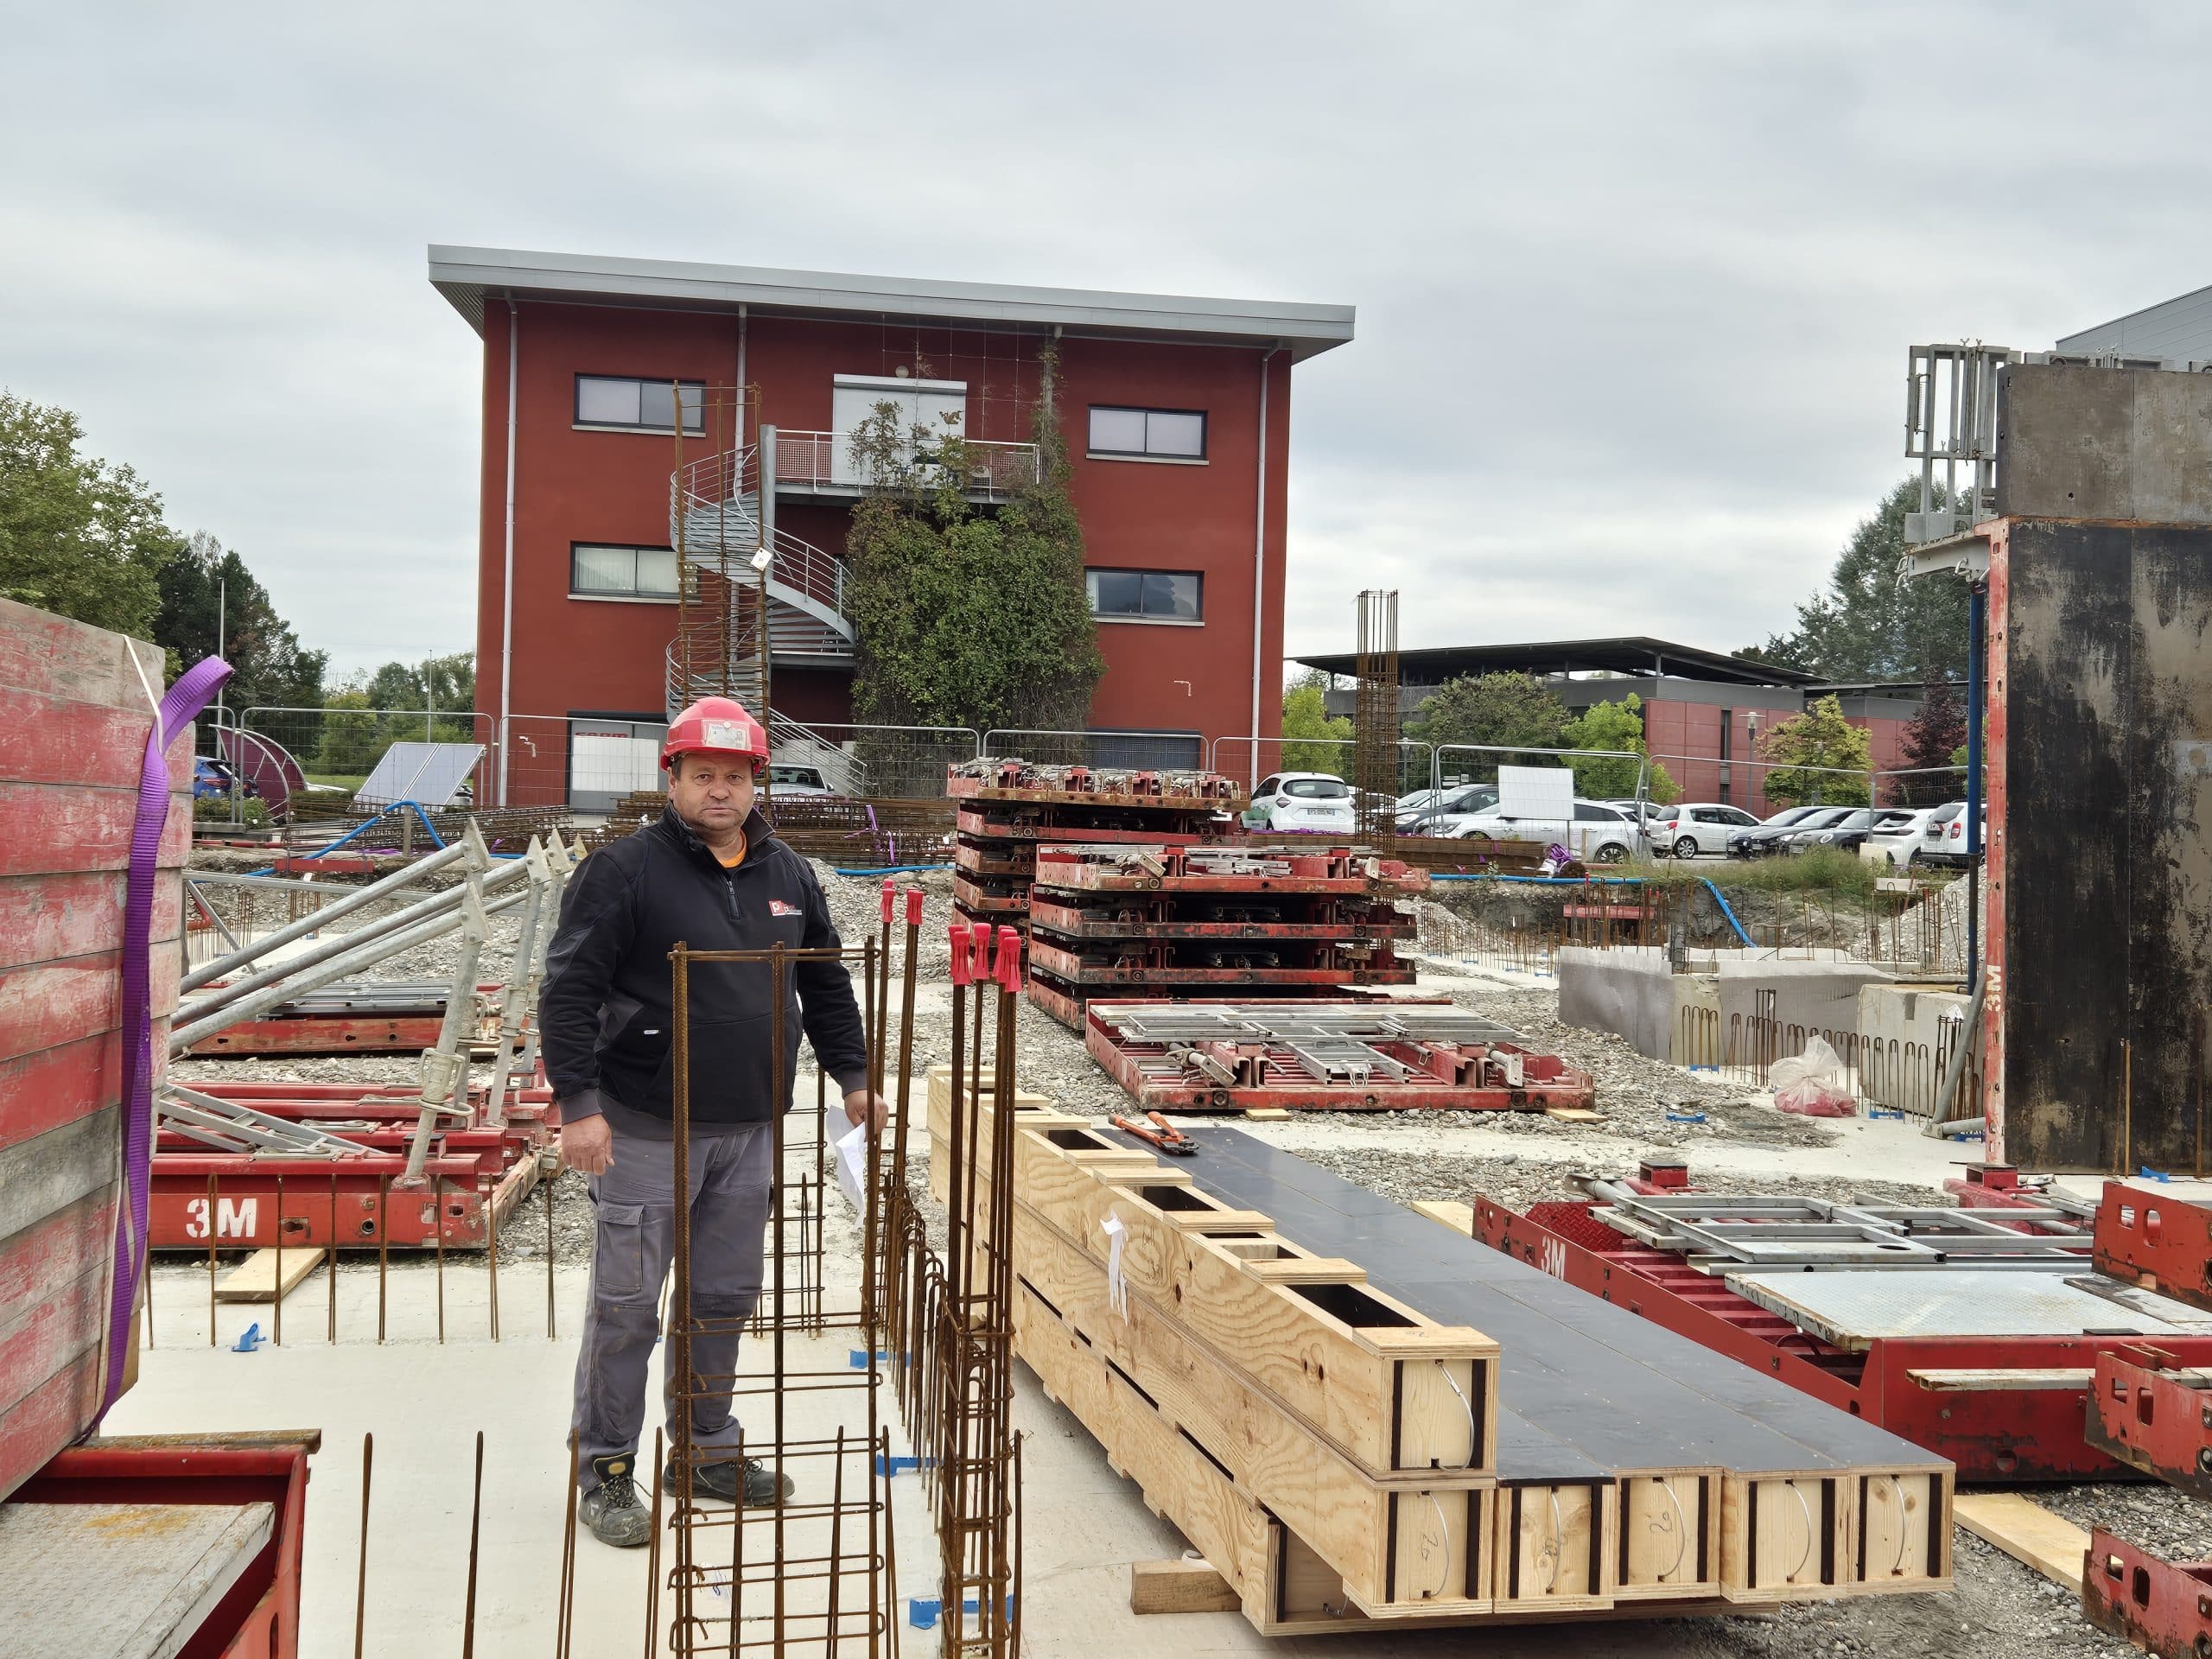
(1933, 1080)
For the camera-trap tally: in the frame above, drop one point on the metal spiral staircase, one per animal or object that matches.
(724, 602)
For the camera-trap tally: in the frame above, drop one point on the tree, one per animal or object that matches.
(348, 745)
(962, 619)
(1615, 726)
(1305, 715)
(1931, 737)
(77, 536)
(1873, 622)
(1820, 737)
(207, 596)
(1509, 710)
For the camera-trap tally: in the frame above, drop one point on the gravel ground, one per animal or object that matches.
(1998, 1608)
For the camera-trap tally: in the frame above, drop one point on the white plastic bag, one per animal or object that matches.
(1815, 1083)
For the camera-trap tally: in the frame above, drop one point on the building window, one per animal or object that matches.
(639, 405)
(1146, 595)
(598, 572)
(1155, 434)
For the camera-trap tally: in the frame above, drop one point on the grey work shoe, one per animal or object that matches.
(612, 1508)
(763, 1485)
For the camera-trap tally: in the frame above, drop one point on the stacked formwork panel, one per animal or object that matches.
(1135, 922)
(1352, 1452)
(1005, 810)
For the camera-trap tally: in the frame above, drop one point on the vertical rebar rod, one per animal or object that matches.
(491, 1255)
(384, 1247)
(565, 1623)
(653, 1556)
(361, 1572)
(679, 1355)
(277, 1315)
(475, 1532)
(552, 1177)
(777, 982)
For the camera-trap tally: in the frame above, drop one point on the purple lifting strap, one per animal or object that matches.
(178, 710)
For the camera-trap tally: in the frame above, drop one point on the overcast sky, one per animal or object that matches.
(1635, 282)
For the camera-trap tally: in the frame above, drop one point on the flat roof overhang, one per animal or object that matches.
(1434, 664)
(465, 275)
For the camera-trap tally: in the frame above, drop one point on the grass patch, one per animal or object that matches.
(338, 779)
(1818, 869)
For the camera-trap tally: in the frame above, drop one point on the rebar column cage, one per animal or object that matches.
(814, 1572)
(1375, 721)
(951, 1320)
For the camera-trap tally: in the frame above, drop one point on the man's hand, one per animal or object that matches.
(587, 1145)
(857, 1109)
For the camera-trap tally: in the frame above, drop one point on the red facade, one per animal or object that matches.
(562, 656)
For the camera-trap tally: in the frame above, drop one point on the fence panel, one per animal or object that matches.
(865, 762)
(1130, 751)
(337, 749)
(1254, 758)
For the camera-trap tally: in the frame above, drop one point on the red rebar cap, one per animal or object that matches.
(1010, 972)
(913, 906)
(959, 953)
(890, 887)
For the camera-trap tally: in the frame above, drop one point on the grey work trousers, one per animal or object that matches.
(630, 1259)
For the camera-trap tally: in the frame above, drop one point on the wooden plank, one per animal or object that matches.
(2027, 1532)
(1180, 1586)
(53, 1003)
(2031, 1379)
(52, 918)
(76, 659)
(1574, 1115)
(51, 1171)
(1669, 1534)
(46, 738)
(1459, 1217)
(56, 829)
(1551, 1548)
(254, 1280)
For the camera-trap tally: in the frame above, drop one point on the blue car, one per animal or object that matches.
(214, 780)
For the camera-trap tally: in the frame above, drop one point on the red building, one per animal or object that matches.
(1175, 411)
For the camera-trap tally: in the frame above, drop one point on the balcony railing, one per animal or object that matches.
(824, 463)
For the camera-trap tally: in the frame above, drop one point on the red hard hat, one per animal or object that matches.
(716, 726)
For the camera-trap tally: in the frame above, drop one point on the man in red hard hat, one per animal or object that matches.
(708, 871)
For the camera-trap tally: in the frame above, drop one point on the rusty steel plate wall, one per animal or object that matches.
(2100, 808)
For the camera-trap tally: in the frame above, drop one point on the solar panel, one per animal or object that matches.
(430, 773)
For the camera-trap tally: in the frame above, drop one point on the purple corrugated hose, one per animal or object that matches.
(178, 710)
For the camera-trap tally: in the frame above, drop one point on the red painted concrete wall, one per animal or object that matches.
(607, 655)
(1673, 729)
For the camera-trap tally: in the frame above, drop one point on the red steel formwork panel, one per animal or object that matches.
(2158, 1242)
(320, 1034)
(474, 1179)
(2162, 1607)
(1489, 1076)
(2153, 1413)
(74, 716)
(1254, 869)
(998, 821)
(1918, 1388)
(1151, 968)
(1337, 920)
(258, 1617)
(1090, 786)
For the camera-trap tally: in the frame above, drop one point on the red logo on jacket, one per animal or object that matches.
(778, 907)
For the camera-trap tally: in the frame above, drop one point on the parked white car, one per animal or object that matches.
(1598, 834)
(784, 779)
(1943, 838)
(1688, 828)
(1895, 844)
(1313, 801)
(1441, 813)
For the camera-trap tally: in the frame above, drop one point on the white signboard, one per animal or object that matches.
(1542, 792)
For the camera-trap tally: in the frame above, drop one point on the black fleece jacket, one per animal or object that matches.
(605, 1005)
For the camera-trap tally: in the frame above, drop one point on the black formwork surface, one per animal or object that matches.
(1605, 1385)
(2100, 851)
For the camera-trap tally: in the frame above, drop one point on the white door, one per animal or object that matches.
(855, 398)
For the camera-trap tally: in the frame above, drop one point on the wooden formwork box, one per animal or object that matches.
(937, 1115)
(1806, 1536)
(1414, 1538)
(74, 716)
(1388, 1388)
